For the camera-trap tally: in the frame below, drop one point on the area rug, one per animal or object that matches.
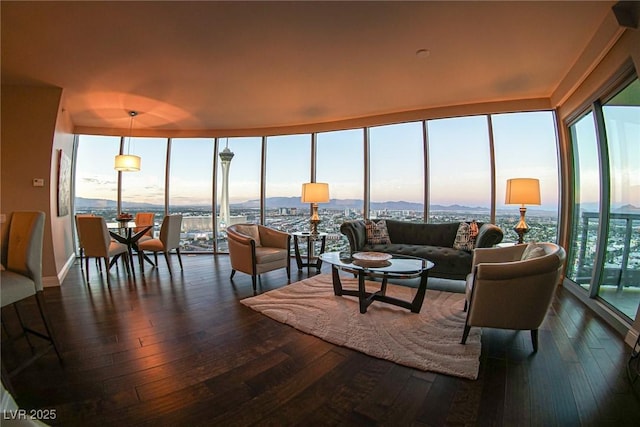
(429, 341)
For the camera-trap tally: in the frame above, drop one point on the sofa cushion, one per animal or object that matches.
(377, 233)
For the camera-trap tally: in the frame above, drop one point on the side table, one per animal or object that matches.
(312, 260)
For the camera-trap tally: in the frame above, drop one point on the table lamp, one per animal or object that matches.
(522, 191)
(314, 193)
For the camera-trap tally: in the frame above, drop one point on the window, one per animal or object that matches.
(620, 280)
(459, 169)
(191, 190)
(96, 182)
(525, 146)
(396, 158)
(288, 166)
(587, 194)
(604, 259)
(340, 163)
(243, 183)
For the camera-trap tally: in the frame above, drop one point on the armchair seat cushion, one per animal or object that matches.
(265, 255)
(15, 287)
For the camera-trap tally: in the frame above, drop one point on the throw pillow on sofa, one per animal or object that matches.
(465, 239)
(377, 233)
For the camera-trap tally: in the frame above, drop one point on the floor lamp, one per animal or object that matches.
(314, 193)
(522, 191)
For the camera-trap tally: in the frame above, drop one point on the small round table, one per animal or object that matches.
(312, 260)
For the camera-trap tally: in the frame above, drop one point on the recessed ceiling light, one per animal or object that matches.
(422, 53)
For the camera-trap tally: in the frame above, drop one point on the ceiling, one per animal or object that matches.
(242, 65)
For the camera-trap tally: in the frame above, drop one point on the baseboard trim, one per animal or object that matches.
(53, 281)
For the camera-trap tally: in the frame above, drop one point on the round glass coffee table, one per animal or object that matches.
(371, 265)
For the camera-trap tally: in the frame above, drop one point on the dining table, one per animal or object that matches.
(129, 233)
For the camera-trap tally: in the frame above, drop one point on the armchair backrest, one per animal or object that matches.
(24, 250)
(94, 234)
(516, 294)
(170, 231)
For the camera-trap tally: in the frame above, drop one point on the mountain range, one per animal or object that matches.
(334, 204)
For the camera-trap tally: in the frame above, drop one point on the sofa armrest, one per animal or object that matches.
(356, 233)
(488, 236)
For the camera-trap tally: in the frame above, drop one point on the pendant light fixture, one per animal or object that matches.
(128, 162)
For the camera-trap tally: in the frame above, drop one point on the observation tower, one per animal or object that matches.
(225, 160)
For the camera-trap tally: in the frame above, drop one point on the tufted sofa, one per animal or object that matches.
(433, 242)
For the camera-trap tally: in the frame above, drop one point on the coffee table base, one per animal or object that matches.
(366, 298)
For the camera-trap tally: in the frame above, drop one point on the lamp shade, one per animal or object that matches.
(315, 192)
(523, 191)
(127, 163)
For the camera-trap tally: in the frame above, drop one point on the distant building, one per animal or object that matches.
(225, 160)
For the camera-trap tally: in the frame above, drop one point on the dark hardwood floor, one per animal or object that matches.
(184, 351)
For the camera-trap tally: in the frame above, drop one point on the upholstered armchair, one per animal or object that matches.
(255, 249)
(512, 287)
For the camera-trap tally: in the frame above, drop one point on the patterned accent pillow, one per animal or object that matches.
(464, 241)
(377, 233)
(250, 230)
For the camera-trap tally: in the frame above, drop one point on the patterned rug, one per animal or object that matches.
(429, 341)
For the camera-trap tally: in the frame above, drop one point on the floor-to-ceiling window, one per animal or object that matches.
(459, 169)
(620, 281)
(605, 252)
(526, 146)
(288, 166)
(191, 190)
(243, 158)
(396, 172)
(586, 210)
(96, 182)
(340, 163)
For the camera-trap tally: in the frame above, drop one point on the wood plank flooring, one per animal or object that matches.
(182, 350)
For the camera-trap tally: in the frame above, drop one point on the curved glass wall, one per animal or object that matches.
(389, 171)
(605, 254)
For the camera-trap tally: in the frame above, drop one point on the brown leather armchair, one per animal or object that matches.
(255, 249)
(512, 287)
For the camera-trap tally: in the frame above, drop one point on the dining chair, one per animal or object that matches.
(169, 239)
(81, 246)
(144, 219)
(22, 278)
(98, 244)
